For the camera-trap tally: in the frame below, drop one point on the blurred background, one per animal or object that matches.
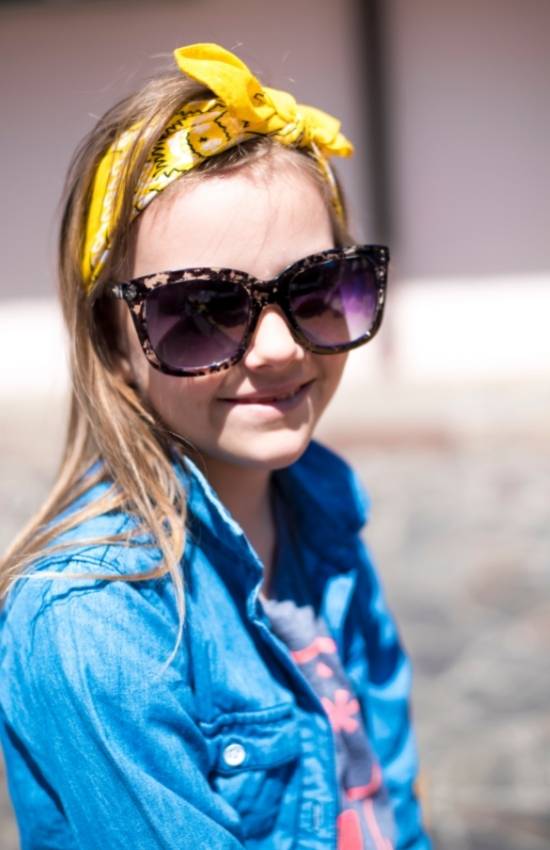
(446, 415)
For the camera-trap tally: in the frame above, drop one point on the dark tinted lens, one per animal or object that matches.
(335, 302)
(196, 323)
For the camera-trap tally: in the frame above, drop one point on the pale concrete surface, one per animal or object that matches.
(459, 485)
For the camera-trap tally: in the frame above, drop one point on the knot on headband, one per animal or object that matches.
(241, 109)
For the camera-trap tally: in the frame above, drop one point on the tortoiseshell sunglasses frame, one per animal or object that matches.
(261, 293)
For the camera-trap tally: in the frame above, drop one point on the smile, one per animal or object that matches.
(281, 396)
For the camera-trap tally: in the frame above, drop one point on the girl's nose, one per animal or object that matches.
(272, 343)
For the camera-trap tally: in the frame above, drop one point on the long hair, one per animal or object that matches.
(113, 435)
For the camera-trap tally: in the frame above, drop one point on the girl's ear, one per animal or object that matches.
(124, 368)
(124, 345)
(112, 317)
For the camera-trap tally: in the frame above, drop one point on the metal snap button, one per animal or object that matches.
(234, 755)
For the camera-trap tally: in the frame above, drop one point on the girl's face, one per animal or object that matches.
(261, 412)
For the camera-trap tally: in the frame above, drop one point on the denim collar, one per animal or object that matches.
(320, 489)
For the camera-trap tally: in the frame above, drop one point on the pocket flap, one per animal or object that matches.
(256, 740)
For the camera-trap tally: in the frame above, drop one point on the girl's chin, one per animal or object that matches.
(267, 451)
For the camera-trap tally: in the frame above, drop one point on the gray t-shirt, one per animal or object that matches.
(365, 819)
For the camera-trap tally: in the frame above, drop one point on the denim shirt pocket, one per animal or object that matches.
(256, 757)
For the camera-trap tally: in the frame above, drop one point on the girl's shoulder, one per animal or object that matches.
(90, 549)
(73, 620)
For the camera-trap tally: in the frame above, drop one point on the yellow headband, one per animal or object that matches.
(242, 109)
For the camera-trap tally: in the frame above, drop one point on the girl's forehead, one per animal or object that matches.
(258, 222)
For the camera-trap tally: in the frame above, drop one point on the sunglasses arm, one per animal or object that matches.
(115, 291)
(121, 291)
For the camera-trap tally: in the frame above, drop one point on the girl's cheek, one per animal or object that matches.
(170, 394)
(334, 365)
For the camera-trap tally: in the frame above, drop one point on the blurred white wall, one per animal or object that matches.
(470, 123)
(469, 174)
(470, 191)
(68, 62)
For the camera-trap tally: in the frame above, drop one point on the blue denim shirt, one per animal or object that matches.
(228, 746)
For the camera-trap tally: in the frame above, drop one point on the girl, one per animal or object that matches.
(195, 649)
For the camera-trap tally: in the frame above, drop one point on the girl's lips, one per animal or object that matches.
(282, 397)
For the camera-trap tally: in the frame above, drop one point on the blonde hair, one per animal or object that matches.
(109, 421)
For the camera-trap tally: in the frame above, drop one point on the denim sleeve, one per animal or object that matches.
(87, 690)
(385, 695)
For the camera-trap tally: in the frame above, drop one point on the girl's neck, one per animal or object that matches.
(247, 495)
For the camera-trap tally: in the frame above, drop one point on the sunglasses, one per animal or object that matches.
(202, 320)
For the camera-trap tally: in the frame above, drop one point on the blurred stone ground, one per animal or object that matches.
(459, 482)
